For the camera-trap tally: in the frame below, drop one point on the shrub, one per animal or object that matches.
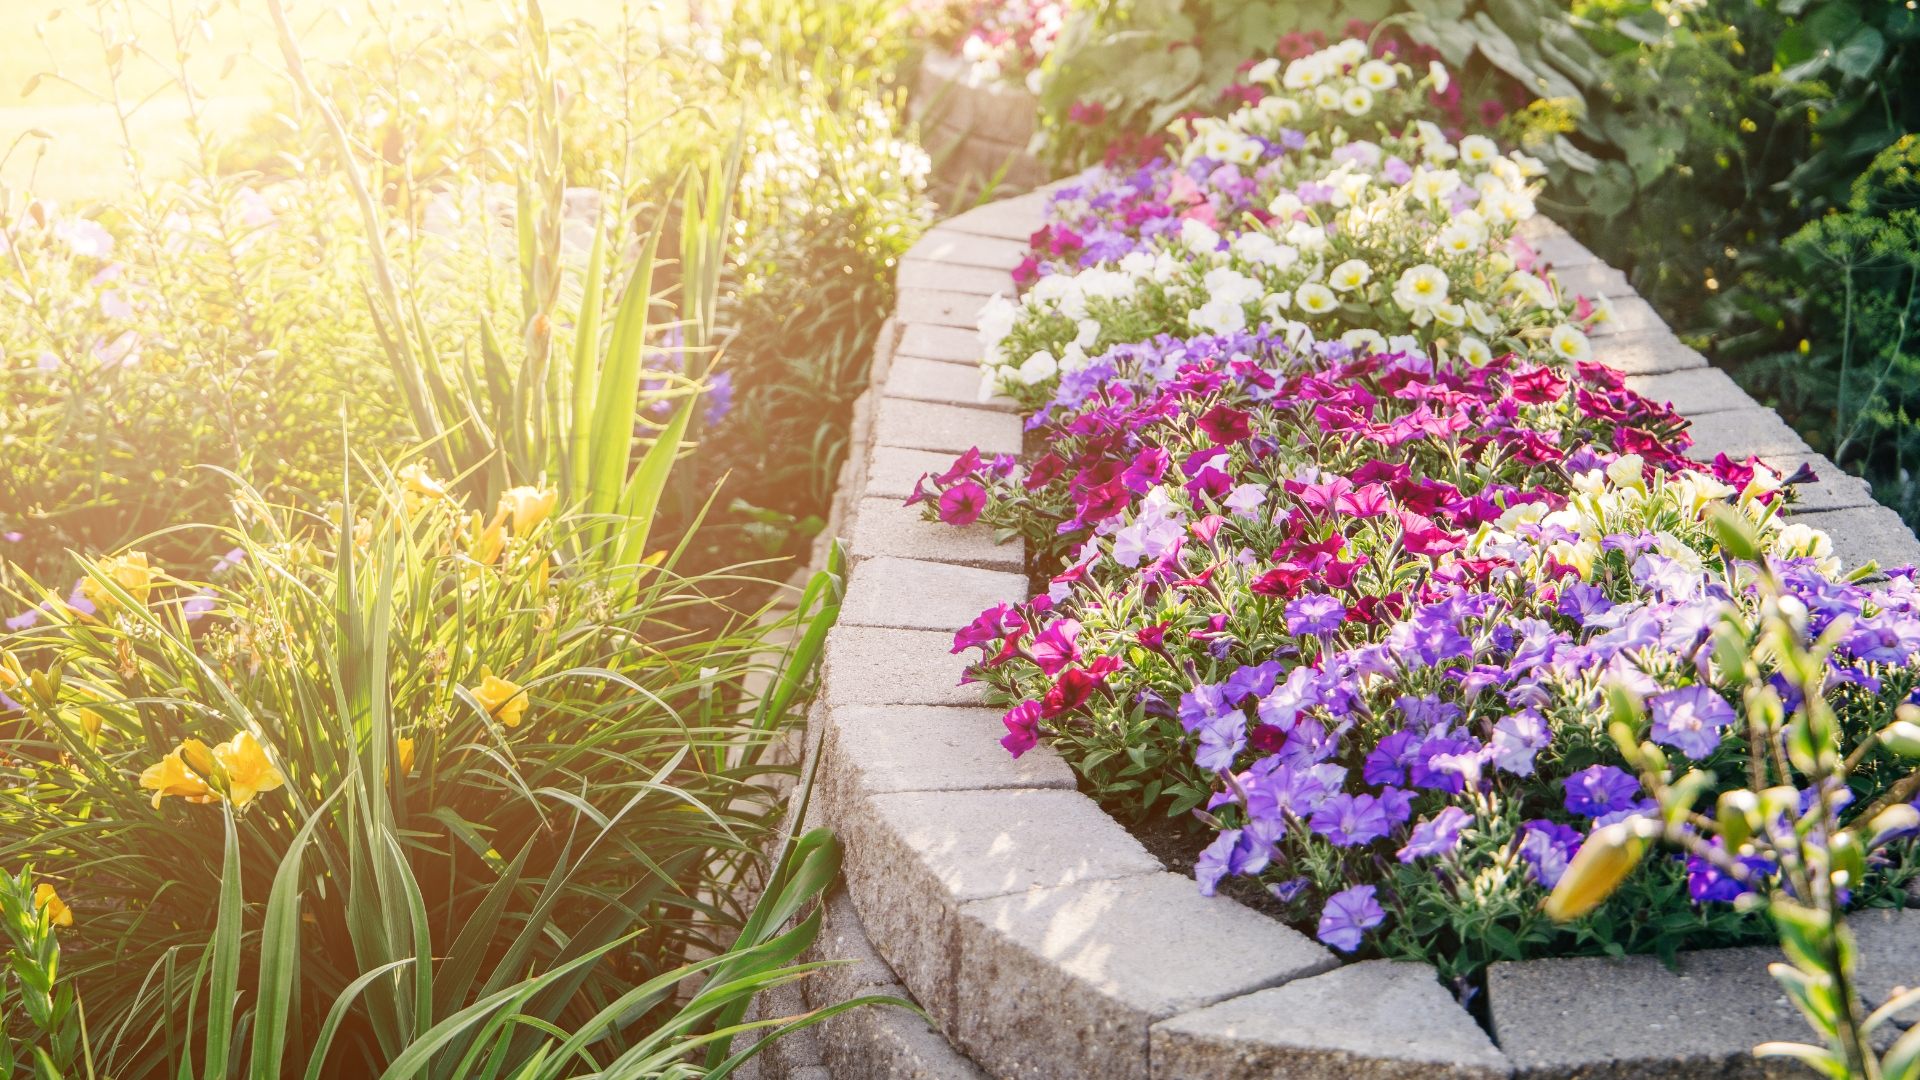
(1355, 603)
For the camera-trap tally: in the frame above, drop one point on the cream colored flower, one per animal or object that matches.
(1350, 275)
(1357, 100)
(1569, 344)
(1315, 298)
(1377, 75)
(1477, 353)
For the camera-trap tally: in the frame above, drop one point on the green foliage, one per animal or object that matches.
(428, 741)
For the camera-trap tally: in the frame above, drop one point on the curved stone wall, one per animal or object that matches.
(1043, 939)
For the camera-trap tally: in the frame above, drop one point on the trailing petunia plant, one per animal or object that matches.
(1350, 594)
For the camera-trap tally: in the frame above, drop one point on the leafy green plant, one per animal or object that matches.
(446, 743)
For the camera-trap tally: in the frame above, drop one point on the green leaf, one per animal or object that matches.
(280, 953)
(223, 993)
(1861, 54)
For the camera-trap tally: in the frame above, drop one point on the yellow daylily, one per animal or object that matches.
(58, 913)
(504, 699)
(249, 772)
(487, 542)
(406, 755)
(419, 486)
(1598, 868)
(529, 506)
(130, 571)
(171, 775)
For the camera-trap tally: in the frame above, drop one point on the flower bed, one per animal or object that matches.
(1352, 539)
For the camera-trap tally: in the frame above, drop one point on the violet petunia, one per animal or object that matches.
(1599, 789)
(1315, 613)
(1689, 719)
(1548, 847)
(1517, 738)
(1436, 836)
(1216, 861)
(1348, 915)
(1351, 820)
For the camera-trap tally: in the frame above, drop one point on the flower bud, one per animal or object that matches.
(1902, 737)
(529, 506)
(1737, 814)
(1896, 820)
(1598, 868)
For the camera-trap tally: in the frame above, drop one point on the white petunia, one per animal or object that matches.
(996, 320)
(1307, 236)
(1198, 236)
(1475, 352)
(1138, 264)
(1432, 185)
(1308, 71)
(1039, 367)
(1285, 205)
(1438, 73)
(1357, 100)
(1315, 298)
(1377, 75)
(1569, 344)
(1479, 150)
(1274, 303)
(1421, 289)
(1350, 275)
(1405, 343)
(1328, 97)
(1364, 341)
(1264, 71)
(1219, 317)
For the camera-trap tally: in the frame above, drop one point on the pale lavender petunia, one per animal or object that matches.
(1436, 836)
(1517, 738)
(1689, 719)
(1348, 915)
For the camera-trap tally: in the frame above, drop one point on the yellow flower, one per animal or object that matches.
(487, 542)
(58, 913)
(248, 770)
(529, 507)
(406, 755)
(419, 486)
(171, 776)
(505, 700)
(129, 571)
(90, 721)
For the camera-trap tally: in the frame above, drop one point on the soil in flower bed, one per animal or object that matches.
(1178, 846)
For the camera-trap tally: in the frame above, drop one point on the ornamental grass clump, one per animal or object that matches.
(1349, 587)
(479, 770)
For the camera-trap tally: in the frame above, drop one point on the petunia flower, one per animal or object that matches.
(1023, 727)
(962, 504)
(1348, 915)
(1599, 789)
(1436, 836)
(1315, 613)
(1689, 719)
(1351, 820)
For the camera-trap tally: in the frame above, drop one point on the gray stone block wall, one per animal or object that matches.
(1039, 936)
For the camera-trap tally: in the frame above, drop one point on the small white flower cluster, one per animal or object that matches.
(1013, 38)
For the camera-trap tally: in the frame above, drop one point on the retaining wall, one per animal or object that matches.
(1043, 939)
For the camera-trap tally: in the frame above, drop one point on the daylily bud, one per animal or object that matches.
(1902, 737)
(406, 755)
(197, 756)
(1598, 868)
(1845, 856)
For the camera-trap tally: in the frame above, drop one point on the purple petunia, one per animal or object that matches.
(1424, 773)
(1216, 861)
(1315, 613)
(1387, 762)
(1517, 738)
(1351, 820)
(1204, 703)
(1221, 739)
(1599, 789)
(963, 503)
(1437, 836)
(1689, 719)
(1548, 847)
(1348, 915)
(1707, 883)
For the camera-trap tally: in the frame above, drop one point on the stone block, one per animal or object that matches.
(1833, 489)
(982, 281)
(1068, 981)
(868, 666)
(1645, 354)
(1562, 250)
(886, 1042)
(916, 425)
(914, 857)
(1596, 1018)
(930, 341)
(913, 595)
(857, 969)
(1866, 532)
(939, 307)
(1593, 279)
(1694, 392)
(1889, 943)
(1632, 315)
(892, 471)
(1376, 1020)
(885, 749)
(952, 247)
(1009, 219)
(1539, 227)
(1739, 433)
(915, 379)
(887, 527)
